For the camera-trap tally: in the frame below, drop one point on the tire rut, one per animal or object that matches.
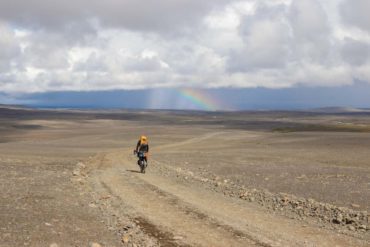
(164, 238)
(165, 213)
(189, 209)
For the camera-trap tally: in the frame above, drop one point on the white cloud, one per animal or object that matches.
(266, 41)
(356, 13)
(10, 48)
(355, 52)
(138, 44)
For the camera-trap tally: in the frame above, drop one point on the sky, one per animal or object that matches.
(210, 54)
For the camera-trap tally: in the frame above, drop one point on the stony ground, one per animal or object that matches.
(70, 179)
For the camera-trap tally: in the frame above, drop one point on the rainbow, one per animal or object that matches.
(201, 99)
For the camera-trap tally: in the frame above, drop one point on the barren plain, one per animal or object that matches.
(263, 178)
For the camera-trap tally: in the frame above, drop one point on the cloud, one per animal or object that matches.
(355, 13)
(308, 20)
(106, 45)
(355, 52)
(10, 49)
(266, 40)
(137, 15)
(311, 30)
(45, 57)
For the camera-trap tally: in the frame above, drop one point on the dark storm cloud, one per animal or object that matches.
(355, 95)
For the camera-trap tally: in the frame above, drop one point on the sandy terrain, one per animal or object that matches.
(68, 178)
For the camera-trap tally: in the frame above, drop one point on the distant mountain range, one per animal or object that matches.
(339, 109)
(315, 110)
(14, 106)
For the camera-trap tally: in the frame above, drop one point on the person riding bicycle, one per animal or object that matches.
(143, 147)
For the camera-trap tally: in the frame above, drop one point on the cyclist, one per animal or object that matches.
(142, 146)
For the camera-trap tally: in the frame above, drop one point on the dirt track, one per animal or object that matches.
(70, 178)
(183, 214)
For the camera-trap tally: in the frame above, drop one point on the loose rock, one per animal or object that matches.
(338, 219)
(362, 227)
(95, 245)
(125, 239)
(352, 228)
(81, 165)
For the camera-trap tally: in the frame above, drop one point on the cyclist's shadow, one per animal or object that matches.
(133, 171)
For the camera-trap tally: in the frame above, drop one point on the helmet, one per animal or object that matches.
(143, 139)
